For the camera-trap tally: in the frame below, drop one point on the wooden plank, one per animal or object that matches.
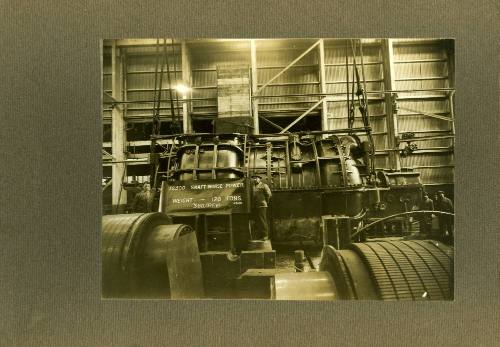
(271, 123)
(302, 116)
(137, 42)
(288, 66)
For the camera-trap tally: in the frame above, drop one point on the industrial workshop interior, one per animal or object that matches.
(278, 169)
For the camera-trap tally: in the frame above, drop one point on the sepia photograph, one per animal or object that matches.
(278, 169)
(249, 173)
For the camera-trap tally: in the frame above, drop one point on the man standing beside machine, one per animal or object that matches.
(426, 220)
(445, 222)
(261, 196)
(143, 201)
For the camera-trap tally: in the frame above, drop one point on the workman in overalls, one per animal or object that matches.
(261, 196)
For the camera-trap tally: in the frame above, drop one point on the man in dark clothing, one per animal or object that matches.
(426, 219)
(435, 199)
(143, 201)
(261, 196)
(445, 205)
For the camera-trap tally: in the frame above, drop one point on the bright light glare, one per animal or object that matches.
(181, 88)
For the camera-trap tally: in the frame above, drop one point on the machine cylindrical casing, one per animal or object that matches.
(227, 157)
(353, 177)
(133, 254)
(303, 286)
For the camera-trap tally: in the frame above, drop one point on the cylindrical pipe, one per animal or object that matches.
(313, 285)
(299, 261)
(326, 240)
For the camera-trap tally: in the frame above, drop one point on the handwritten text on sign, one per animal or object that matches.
(201, 196)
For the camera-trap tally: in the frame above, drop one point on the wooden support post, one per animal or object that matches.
(187, 106)
(450, 54)
(322, 80)
(118, 133)
(124, 67)
(390, 111)
(255, 101)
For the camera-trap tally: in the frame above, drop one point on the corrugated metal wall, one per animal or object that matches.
(301, 79)
(418, 65)
(425, 66)
(139, 83)
(336, 78)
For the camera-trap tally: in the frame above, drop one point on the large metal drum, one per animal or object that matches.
(391, 270)
(134, 254)
(388, 270)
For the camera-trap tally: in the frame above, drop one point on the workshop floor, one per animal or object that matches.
(285, 257)
(285, 260)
